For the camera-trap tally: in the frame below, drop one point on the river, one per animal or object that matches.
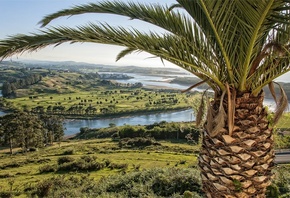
(73, 125)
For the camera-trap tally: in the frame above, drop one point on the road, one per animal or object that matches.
(282, 157)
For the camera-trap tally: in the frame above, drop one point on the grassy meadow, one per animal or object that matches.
(21, 173)
(72, 94)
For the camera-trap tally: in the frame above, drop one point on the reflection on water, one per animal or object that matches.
(73, 126)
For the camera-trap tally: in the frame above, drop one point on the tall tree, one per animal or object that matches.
(9, 130)
(22, 129)
(53, 128)
(236, 47)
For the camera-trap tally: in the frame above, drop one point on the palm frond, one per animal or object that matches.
(124, 53)
(189, 56)
(231, 109)
(193, 86)
(227, 41)
(281, 105)
(200, 11)
(220, 117)
(272, 91)
(155, 14)
(201, 110)
(174, 6)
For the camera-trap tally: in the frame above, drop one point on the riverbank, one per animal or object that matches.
(72, 126)
(124, 114)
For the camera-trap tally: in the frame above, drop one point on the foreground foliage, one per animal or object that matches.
(100, 162)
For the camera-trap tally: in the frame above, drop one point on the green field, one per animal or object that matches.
(73, 94)
(23, 171)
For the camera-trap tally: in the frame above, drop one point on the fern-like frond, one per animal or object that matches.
(228, 42)
(124, 53)
(190, 56)
(161, 16)
(281, 105)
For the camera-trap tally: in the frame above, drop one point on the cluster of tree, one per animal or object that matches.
(88, 76)
(9, 88)
(158, 131)
(11, 72)
(26, 130)
(162, 131)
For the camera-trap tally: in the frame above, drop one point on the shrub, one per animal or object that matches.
(44, 188)
(62, 186)
(33, 149)
(65, 159)
(182, 161)
(81, 165)
(88, 158)
(175, 181)
(6, 194)
(12, 165)
(47, 169)
(68, 152)
(137, 142)
(118, 166)
(272, 191)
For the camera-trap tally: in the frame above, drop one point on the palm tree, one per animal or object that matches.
(236, 47)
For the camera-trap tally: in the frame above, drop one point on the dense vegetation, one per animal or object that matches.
(159, 131)
(9, 88)
(28, 131)
(105, 168)
(109, 168)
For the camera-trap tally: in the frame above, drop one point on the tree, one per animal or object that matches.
(22, 129)
(236, 47)
(9, 130)
(53, 128)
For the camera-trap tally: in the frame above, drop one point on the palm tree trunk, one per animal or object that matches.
(238, 165)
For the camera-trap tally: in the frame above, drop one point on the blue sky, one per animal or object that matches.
(22, 16)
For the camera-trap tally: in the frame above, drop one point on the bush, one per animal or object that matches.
(47, 169)
(65, 159)
(6, 195)
(81, 165)
(177, 181)
(68, 152)
(12, 165)
(137, 142)
(118, 166)
(61, 186)
(88, 158)
(44, 188)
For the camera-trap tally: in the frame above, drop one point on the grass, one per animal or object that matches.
(75, 91)
(21, 170)
(284, 121)
(115, 102)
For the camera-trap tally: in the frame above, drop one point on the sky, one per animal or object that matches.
(22, 16)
